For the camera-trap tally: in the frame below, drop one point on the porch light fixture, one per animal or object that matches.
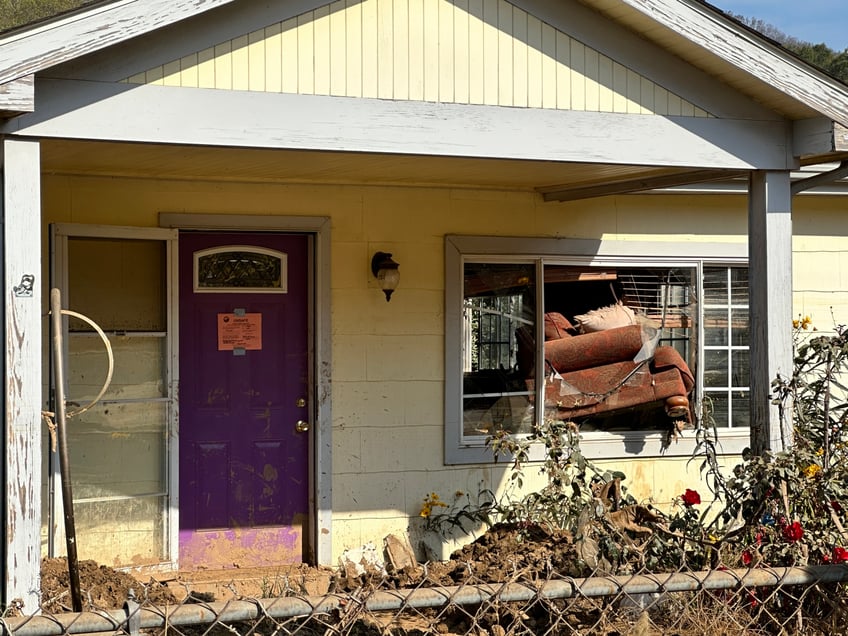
(385, 270)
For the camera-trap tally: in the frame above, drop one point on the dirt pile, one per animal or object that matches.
(102, 587)
(504, 553)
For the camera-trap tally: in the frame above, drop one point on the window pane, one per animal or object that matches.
(741, 367)
(715, 286)
(119, 450)
(740, 327)
(139, 367)
(142, 537)
(715, 327)
(715, 368)
(486, 415)
(118, 283)
(741, 406)
(727, 334)
(717, 404)
(739, 285)
(499, 347)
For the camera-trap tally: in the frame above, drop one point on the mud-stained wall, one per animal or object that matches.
(388, 366)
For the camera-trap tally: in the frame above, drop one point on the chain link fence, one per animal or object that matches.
(796, 600)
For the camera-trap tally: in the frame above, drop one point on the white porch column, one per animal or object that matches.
(20, 203)
(770, 274)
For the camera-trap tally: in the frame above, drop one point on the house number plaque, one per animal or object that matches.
(239, 331)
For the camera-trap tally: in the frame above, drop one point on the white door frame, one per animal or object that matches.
(319, 541)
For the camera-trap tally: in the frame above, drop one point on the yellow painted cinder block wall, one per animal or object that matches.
(388, 362)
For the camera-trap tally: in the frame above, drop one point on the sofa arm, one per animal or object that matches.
(668, 358)
(594, 349)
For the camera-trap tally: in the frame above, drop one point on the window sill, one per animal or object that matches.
(624, 445)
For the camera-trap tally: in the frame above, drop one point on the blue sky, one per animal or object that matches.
(809, 20)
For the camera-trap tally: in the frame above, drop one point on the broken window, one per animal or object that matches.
(498, 326)
(618, 345)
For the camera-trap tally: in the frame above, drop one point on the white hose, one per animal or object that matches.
(83, 409)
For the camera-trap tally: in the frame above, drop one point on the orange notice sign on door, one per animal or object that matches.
(239, 332)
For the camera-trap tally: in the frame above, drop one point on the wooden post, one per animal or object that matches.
(770, 276)
(21, 207)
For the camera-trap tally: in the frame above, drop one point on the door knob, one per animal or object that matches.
(301, 426)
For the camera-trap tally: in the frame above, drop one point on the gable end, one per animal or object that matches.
(471, 52)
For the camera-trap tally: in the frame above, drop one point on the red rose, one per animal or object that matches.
(690, 497)
(840, 555)
(747, 557)
(793, 532)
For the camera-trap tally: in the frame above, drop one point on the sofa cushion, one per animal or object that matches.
(610, 317)
(594, 349)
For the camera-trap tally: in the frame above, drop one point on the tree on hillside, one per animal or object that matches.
(17, 12)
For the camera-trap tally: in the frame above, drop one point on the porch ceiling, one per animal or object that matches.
(70, 157)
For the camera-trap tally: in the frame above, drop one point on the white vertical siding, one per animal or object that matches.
(457, 51)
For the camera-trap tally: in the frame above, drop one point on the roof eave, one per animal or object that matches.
(712, 30)
(46, 44)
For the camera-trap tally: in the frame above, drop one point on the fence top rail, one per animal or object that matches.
(133, 616)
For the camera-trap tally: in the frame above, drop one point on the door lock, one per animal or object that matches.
(302, 426)
(300, 403)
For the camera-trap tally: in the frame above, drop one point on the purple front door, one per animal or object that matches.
(244, 395)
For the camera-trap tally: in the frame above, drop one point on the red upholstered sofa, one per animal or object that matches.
(613, 369)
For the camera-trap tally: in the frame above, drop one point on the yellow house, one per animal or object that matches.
(216, 185)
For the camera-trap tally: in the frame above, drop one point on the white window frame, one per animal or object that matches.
(588, 252)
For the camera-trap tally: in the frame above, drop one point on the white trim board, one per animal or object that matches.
(79, 33)
(18, 95)
(20, 206)
(161, 114)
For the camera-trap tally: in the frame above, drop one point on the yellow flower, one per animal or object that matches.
(802, 323)
(812, 470)
(431, 501)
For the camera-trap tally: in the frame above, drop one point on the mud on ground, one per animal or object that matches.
(494, 557)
